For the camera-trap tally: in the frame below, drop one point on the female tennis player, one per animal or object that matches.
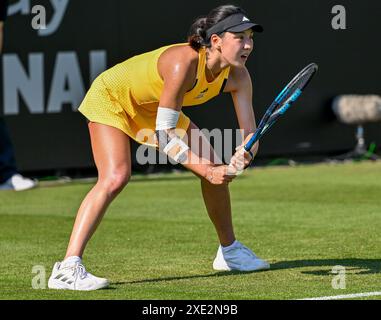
(147, 92)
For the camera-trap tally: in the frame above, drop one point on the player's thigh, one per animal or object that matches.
(111, 149)
(200, 145)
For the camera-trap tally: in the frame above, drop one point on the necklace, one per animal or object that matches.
(210, 70)
(212, 74)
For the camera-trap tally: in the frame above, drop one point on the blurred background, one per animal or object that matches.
(45, 73)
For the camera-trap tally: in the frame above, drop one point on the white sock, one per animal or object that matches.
(72, 260)
(235, 243)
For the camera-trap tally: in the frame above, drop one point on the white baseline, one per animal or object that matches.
(346, 296)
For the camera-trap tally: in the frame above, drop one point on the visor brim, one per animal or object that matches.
(246, 26)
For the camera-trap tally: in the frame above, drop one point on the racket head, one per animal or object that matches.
(283, 101)
(295, 88)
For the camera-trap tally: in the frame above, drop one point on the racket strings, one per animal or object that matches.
(297, 87)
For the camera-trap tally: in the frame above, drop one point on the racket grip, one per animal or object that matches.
(232, 168)
(233, 171)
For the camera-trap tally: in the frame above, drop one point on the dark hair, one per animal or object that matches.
(197, 32)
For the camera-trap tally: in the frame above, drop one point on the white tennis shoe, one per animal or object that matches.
(238, 257)
(18, 183)
(73, 276)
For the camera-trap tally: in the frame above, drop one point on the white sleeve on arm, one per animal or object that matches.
(169, 143)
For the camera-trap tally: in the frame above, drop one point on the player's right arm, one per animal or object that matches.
(178, 71)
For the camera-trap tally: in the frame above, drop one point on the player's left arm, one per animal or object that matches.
(240, 86)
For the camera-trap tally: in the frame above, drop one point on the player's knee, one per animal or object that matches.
(115, 182)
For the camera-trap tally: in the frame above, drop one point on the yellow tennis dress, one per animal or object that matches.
(127, 95)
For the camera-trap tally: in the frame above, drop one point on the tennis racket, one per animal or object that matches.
(281, 104)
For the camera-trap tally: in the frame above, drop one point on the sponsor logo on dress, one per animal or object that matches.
(202, 93)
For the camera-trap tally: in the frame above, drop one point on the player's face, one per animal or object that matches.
(236, 47)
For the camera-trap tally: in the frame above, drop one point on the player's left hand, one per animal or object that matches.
(241, 158)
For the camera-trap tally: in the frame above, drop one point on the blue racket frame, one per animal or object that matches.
(270, 117)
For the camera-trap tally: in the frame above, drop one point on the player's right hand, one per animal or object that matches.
(220, 174)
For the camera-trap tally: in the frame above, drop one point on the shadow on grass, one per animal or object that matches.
(352, 265)
(356, 266)
(197, 276)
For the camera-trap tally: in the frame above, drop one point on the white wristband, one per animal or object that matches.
(166, 118)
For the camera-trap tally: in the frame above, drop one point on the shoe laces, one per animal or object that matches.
(246, 251)
(79, 270)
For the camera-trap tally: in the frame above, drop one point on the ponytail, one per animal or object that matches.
(197, 34)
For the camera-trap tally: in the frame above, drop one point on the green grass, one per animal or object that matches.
(156, 240)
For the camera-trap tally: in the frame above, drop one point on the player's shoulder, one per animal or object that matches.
(239, 73)
(179, 56)
(238, 77)
(181, 52)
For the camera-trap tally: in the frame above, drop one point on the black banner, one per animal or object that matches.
(49, 63)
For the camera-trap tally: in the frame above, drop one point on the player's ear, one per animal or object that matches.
(215, 41)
